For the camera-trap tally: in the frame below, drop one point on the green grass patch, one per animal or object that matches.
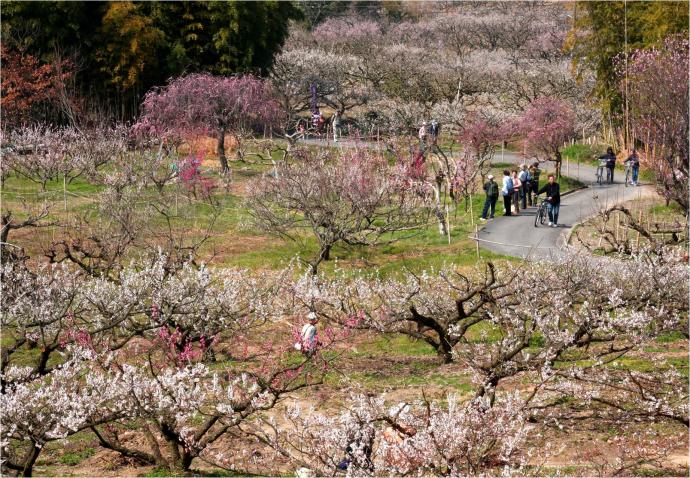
(394, 378)
(643, 365)
(483, 332)
(396, 344)
(74, 458)
(161, 472)
(670, 337)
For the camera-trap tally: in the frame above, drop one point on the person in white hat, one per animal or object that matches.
(308, 336)
(491, 189)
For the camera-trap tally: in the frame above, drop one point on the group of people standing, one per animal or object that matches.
(517, 190)
(318, 122)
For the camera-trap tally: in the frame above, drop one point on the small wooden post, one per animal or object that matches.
(476, 240)
(64, 189)
(639, 221)
(448, 223)
(625, 230)
(618, 223)
(649, 227)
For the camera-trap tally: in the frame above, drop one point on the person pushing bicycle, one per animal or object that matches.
(553, 198)
(633, 162)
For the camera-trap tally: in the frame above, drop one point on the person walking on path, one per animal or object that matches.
(534, 172)
(507, 191)
(553, 198)
(525, 179)
(610, 159)
(634, 162)
(517, 188)
(491, 189)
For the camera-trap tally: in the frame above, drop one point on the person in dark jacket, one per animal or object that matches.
(535, 172)
(553, 197)
(610, 159)
(491, 188)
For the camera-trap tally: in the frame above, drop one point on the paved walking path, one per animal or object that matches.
(516, 235)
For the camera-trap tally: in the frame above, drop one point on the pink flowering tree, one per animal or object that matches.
(355, 198)
(194, 179)
(201, 103)
(547, 123)
(479, 139)
(658, 98)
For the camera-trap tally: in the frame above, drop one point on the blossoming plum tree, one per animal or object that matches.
(658, 96)
(355, 198)
(374, 438)
(201, 103)
(546, 124)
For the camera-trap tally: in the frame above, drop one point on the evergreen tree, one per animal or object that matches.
(125, 48)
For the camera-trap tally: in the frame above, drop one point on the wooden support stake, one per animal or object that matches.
(625, 230)
(448, 223)
(639, 221)
(476, 240)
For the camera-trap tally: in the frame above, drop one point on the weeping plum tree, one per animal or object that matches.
(658, 98)
(546, 124)
(208, 104)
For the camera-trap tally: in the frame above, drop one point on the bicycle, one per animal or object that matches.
(628, 170)
(542, 213)
(600, 173)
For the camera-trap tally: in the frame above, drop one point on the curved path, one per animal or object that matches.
(516, 235)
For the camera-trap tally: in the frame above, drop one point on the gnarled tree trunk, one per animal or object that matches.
(221, 151)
